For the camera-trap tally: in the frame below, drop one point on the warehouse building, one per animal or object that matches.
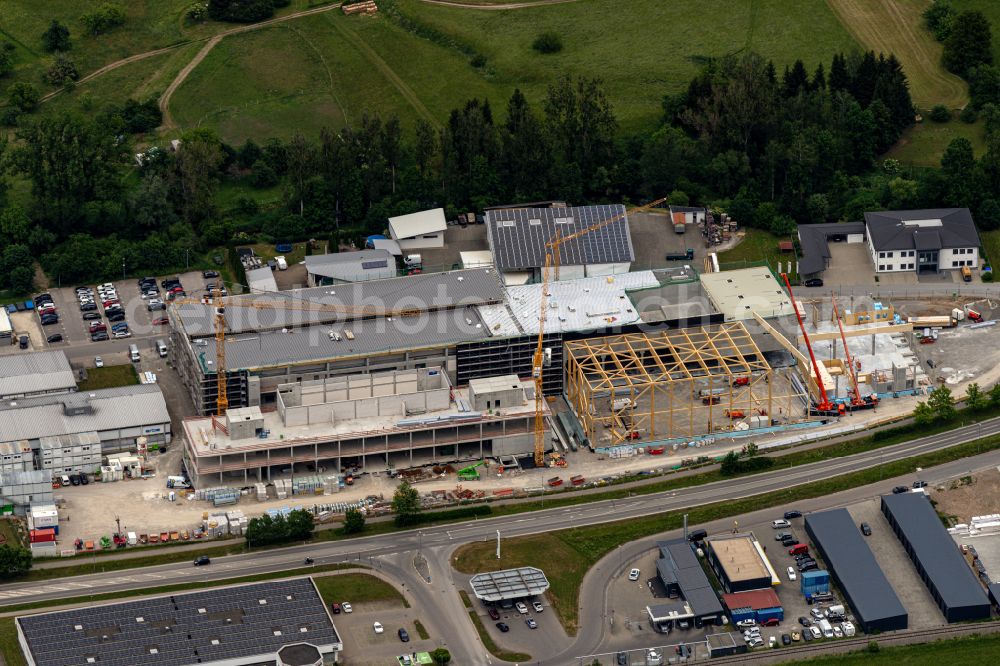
(341, 267)
(282, 623)
(738, 294)
(948, 577)
(35, 373)
(58, 427)
(739, 562)
(756, 605)
(726, 644)
(837, 539)
(370, 421)
(417, 231)
(681, 574)
(261, 281)
(518, 238)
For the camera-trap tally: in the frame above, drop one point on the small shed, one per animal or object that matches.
(419, 230)
(261, 281)
(496, 392)
(786, 246)
(725, 644)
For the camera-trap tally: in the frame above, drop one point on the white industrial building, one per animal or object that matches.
(518, 238)
(22, 489)
(339, 267)
(35, 373)
(738, 294)
(261, 281)
(418, 230)
(922, 241)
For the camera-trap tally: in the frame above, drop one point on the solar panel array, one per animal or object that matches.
(518, 236)
(183, 629)
(381, 263)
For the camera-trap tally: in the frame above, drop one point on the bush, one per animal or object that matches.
(478, 61)
(8, 116)
(197, 12)
(141, 116)
(240, 11)
(987, 276)
(969, 115)
(547, 42)
(103, 19)
(56, 37)
(23, 96)
(61, 71)
(940, 114)
(262, 175)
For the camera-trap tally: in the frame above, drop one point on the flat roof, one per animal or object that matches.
(753, 599)
(843, 547)
(738, 293)
(208, 442)
(573, 305)
(109, 409)
(261, 281)
(303, 307)
(35, 372)
(353, 266)
(416, 224)
(208, 627)
(509, 584)
(738, 556)
(679, 562)
(945, 570)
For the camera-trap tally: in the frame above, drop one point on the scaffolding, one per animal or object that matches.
(676, 384)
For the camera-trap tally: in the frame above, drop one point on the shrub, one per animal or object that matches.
(56, 37)
(103, 19)
(969, 115)
(548, 42)
(61, 71)
(262, 175)
(987, 276)
(8, 116)
(940, 114)
(196, 12)
(6, 60)
(478, 61)
(240, 11)
(23, 96)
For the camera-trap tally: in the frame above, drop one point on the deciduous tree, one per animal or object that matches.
(405, 504)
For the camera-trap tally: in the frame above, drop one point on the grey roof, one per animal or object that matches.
(936, 556)
(193, 628)
(677, 557)
(426, 291)
(687, 209)
(440, 328)
(353, 266)
(518, 236)
(35, 372)
(814, 241)
(509, 584)
(110, 409)
(261, 280)
(858, 574)
(898, 229)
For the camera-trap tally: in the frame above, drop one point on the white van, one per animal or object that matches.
(836, 610)
(826, 628)
(133, 353)
(161, 348)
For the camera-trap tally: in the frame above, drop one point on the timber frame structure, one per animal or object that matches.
(679, 383)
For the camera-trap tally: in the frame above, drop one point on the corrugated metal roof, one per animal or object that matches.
(43, 416)
(678, 557)
(753, 599)
(426, 291)
(261, 281)
(518, 236)
(35, 372)
(353, 266)
(416, 224)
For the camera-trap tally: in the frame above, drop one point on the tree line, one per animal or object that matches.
(772, 149)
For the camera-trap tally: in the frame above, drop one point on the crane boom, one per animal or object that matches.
(552, 260)
(825, 405)
(847, 352)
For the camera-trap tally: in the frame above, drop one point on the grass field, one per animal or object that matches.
(925, 143)
(109, 376)
(896, 26)
(756, 247)
(973, 650)
(357, 588)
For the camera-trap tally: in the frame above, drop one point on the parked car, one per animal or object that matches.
(791, 573)
(866, 529)
(99, 336)
(919, 484)
(697, 535)
(780, 524)
(347, 607)
(91, 316)
(816, 633)
(377, 626)
(817, 613)
(161, 321)
(849, 629)
(531, 623)
(537, 605)
(794, 513)
(156, 305)
(746, 624)
(210, 274)
(521, 608)
(807, 635)
(786, 639)
(814, 282)
(811, 565)
(634, 574)
(55, 337)
(49, 320)
(502, 626)
(755, 642)
(772, 642)
(494, 613)
(335, 608)
(837, 631)
(202, 560)
(621, 659)
(900, 489)
(770, 622)
(804, 621)
(654, 657)
(404, 636)
(796, 635)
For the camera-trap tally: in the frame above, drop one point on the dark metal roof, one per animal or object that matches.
(900, 229)
(518, 236)
(944, 570)
(864, 584)
(177, 630)
(814, 241)
(678, 557)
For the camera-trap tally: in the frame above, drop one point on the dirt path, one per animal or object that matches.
(895, 26)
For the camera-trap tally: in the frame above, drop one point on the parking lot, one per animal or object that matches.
(363, 647)
(547, 636)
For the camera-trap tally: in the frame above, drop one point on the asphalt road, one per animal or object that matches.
(393, 552)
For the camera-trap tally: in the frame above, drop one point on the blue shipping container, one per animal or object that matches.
(815, 581)
(740, 614)
(765, 614)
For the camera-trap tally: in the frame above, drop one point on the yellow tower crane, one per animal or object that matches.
(552, 259)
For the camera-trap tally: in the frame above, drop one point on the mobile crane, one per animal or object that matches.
(825, 407)
(857, 402)
(552, 259)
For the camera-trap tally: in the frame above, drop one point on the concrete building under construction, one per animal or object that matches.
(677, 385)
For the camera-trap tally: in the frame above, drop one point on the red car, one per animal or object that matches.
(494, 614)
(771, 622)
(161, 321)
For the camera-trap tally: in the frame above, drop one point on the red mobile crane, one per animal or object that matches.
(857, 402)
(825, 407)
